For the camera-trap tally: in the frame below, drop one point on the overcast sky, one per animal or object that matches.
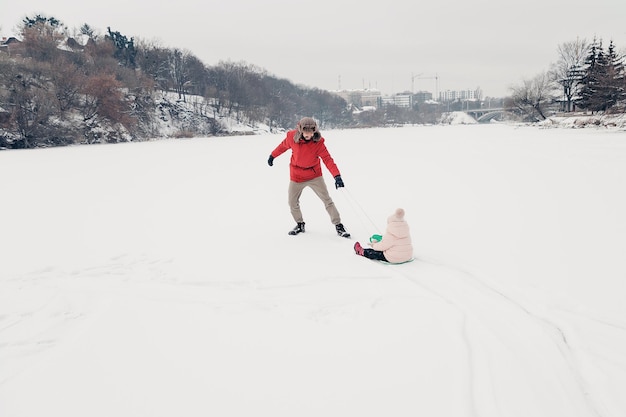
(382, 44)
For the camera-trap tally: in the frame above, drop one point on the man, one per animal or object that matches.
(307, 148)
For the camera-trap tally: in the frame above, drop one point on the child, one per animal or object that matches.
(395, 245)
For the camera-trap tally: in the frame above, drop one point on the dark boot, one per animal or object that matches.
(298, 229)
(341, 231)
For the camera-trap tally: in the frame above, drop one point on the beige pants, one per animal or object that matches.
(318, 185)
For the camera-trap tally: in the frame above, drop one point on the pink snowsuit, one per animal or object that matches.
(396, 242)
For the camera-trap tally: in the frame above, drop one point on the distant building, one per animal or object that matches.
(361, 98)
(422, 96)
(373, 98)
(9, 44)
(400, 100)
(462, 95)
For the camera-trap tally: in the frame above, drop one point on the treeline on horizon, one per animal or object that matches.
(57, 89)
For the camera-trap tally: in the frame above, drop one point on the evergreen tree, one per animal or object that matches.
(85, 29)
(614, 83)
(603, 82)
(590, 90)
(42, 21)
(125, 50)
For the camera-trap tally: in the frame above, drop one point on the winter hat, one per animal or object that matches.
(307, 122)
(397, 216)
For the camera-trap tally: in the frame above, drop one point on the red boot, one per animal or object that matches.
(358, 249)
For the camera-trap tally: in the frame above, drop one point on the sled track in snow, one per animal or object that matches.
(489, 310)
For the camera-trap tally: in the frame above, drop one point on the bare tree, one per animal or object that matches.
(533, 97)
(153, 59)
(103, 97)
(67, 79)
(181, 65)
(31, 102)
(41, 37)
(568, 71)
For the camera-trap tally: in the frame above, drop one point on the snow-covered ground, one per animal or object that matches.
(158, 279)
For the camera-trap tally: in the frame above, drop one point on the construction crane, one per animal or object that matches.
(421, 77)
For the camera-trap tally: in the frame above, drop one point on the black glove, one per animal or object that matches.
(338, 181)
(270, 161)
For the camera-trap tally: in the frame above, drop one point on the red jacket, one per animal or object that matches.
(305, 157)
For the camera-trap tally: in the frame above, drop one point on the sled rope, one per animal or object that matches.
(354, 204)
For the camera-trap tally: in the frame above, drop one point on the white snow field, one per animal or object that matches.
(157, 278)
